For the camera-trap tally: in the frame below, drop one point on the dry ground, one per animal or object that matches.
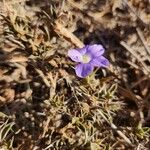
(44, 105)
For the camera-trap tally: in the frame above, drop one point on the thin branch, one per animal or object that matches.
(67, 34)
(143, 40)
(113, 126)
(47, 83)
(146, 69)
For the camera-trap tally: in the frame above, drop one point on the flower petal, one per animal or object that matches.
(83, 70)
(83, 50)
(96, 50)
(75, 55)
(100, 62)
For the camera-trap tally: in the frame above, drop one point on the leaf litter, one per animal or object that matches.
(43, 105)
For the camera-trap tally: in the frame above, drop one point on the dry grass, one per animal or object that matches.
(43, 105)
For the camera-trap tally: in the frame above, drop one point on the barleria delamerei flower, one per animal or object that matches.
(88, 57)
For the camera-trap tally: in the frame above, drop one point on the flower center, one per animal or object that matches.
(86, 59)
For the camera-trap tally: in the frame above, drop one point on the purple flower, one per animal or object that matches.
(88, 57)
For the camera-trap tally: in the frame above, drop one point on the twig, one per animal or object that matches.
(53, 81)
(134, 11)
(113, 126)
(143, 40)
(46, 126)
(2, 99)
(139, 81)
(127, 93)
(121, 134)
(22, 68)
(67, 34)
(146, 71)
(12, 58)
(43, 77)
(12, 38)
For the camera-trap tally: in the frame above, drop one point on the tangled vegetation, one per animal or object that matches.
(44, 105)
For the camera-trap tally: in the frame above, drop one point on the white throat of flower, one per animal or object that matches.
(86, 58)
